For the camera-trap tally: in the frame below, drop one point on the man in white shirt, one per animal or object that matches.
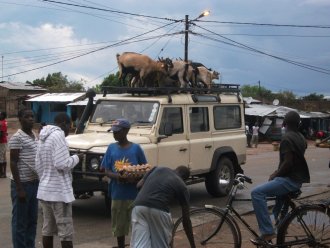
(255, 134)
(55, 192)
(24, 182)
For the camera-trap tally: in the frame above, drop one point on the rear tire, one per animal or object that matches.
(308, 224)
(219, 181)
(204, 223)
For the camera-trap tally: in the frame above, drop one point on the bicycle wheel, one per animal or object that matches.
(205, 222)
(306, 226)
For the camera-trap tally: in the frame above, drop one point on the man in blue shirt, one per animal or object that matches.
(121, 189)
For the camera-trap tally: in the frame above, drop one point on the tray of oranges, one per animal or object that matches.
(132, 171)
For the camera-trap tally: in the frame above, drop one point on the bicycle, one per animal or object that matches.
(306, 225)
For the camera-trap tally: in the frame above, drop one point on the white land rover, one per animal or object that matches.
(202, 130)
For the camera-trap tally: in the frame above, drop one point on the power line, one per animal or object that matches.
(90, 52)
(267, 24)
(243, 46)
(277, 35)
(108, 10)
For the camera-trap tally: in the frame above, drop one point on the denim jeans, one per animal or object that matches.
(24, 216)
(277, 187)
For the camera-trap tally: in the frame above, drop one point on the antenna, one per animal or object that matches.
(276, 102)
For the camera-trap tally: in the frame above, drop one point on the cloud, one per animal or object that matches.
(44, 36)
(37, 42)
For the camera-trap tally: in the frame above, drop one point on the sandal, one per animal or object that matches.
(263, 239)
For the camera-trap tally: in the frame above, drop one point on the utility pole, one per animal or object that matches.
(1, 68)
(186, 31)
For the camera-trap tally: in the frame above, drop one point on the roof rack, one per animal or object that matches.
(215, 89)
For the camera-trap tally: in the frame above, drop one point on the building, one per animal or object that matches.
(13, 96)
(270, 119)
(47, 106)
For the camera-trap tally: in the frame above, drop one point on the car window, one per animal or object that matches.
(199, 119)
(137, 112)
(226, 117)
(172, 116)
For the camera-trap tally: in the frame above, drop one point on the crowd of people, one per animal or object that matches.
(41, 174)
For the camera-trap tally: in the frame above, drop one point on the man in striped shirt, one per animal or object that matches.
(24, 182)
(55, 192)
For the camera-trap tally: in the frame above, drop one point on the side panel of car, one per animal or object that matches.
(200, 139)
(229, 129)
(173, 150)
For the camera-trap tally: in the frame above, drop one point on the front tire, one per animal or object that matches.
(219, 182)
(307, 226)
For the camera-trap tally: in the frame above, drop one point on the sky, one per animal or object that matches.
(283, 45)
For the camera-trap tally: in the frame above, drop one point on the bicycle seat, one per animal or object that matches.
(294, 194)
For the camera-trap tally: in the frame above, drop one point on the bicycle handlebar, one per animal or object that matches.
(242, 178)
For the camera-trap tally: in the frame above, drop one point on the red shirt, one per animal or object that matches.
(3, 129)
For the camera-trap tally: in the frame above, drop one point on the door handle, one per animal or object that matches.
(183, 149)
(208, 146)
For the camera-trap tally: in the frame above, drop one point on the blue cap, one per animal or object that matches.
(119, 124)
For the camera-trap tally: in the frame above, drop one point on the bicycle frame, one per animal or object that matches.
(230, 209)
(230, 212)
(306, 221)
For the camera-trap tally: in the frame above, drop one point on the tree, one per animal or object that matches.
(57, 82)
(111, 80)
(256, 92)
(285, 97)
(313, 97)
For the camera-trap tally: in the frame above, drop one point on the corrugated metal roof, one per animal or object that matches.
(20, 86)
(280, 111)
(250, 100)
(267, 110)
(84, 102)
(57, 97)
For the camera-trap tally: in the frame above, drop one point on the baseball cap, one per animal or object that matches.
(119, 124)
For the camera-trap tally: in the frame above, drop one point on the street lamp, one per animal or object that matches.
(204, 13)
(187, 22)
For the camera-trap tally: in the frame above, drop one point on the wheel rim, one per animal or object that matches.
(224, 176)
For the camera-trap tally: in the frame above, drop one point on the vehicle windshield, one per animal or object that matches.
(137, 113)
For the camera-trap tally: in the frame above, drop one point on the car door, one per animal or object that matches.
(174, 149)
(200, 140)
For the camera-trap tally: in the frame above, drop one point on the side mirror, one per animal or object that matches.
(166, 131)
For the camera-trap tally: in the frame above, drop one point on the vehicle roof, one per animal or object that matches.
(183, 98)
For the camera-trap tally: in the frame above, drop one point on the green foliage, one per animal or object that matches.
(285, 96)
(256, 92)
(57, 82)
(111, 80)
(313, 97)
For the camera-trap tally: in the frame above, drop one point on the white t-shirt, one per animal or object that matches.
(255, 130)
(27, 147)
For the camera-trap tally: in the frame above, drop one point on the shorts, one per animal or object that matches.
(57, 220)
(121, 217)
(3, 149)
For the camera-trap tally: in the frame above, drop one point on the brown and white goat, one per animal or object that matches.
(139, 66)
(205, 76)
(181, 72)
